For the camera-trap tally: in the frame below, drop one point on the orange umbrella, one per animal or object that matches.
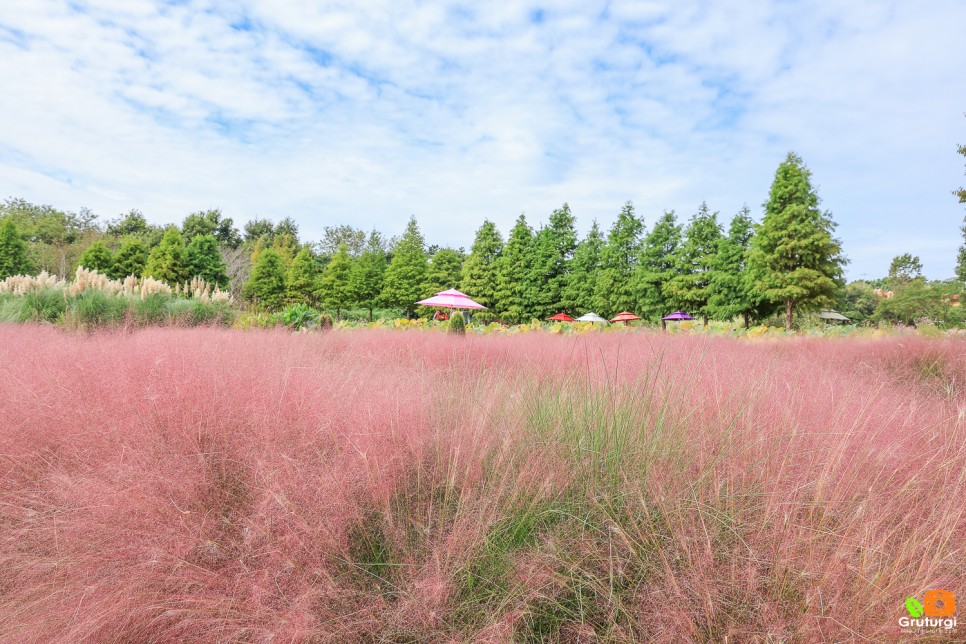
(625, 317)
(560, 317)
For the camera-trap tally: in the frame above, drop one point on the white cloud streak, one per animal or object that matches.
(364, 113)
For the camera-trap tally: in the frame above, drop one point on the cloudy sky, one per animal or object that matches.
(365, 112)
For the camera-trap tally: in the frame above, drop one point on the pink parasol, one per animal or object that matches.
(451, 299)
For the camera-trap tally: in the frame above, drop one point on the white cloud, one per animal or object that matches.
(365, 113)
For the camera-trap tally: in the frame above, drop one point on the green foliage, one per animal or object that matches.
(150, 310)
(961, 256)
(514, 298)
(335, 236)
(195, 312)
(134, 224)
(47, 305)
(368, 273)
(55, 239)
(916, 300)
(695, 264)
(257, 229)
(406, 273)
(211, 222)
(553, 250)
(731, 292)
(657, 266)
(580, 294)
(334, 285)
(299, 316)
(265, 287)
(616, 290)
(903, 269)
(302, 284)
(130, 259)
(13, 250)
(94, 308)
(794, 258)
(444, 272)
(480, 271)
(457, 325)
(204, 260)
(98, 257)
(168, 261)
(858, 302)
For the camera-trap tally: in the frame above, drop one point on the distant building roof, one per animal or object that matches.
(831, 314)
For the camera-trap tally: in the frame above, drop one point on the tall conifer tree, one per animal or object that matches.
(480, 274)
(794, 259)
(615, 285)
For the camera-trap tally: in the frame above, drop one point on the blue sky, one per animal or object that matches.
(367, 112)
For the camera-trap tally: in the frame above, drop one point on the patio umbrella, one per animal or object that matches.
(677, 316)
(451, 299)
(625, 317)
(560, 317)
(592, 317)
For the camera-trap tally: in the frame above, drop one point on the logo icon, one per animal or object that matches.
(939, 603)
(937, 610)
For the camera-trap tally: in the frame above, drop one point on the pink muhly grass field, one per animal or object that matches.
(216, 485)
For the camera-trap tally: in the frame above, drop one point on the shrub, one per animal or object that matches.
(46, 305)
(457, 326)
(299, 316)
(94, 308)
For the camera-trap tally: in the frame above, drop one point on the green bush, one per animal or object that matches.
(47, 305)
(300, 316)
(95, 308)
(457, 326)
(151, 310)
(194, 312)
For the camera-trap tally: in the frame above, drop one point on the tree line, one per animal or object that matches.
(790, 261)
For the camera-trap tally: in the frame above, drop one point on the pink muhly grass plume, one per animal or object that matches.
(207, 484)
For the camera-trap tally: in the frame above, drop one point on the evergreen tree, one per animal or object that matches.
(445, 271)
(265, 287)
(961, 257)
(204, 260)
(168, 261)
(657, 266)
(580, 294)
(731, 293)
(615, 285)
(480, 268)
(134, 224)
(334, 285)
(407, 271)
(257, 229)
(368, 273)
(794, 259)
(302, 283)
(13, 251)
(695, 263)
(131, 259)
(98, 257)
(553, 251)
(287, 246)
(903, 269)
(514, 297)
(211, 222)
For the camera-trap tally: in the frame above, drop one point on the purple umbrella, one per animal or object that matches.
(677, 316)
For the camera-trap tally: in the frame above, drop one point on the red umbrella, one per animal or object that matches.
(625, 317)
(561, 317)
